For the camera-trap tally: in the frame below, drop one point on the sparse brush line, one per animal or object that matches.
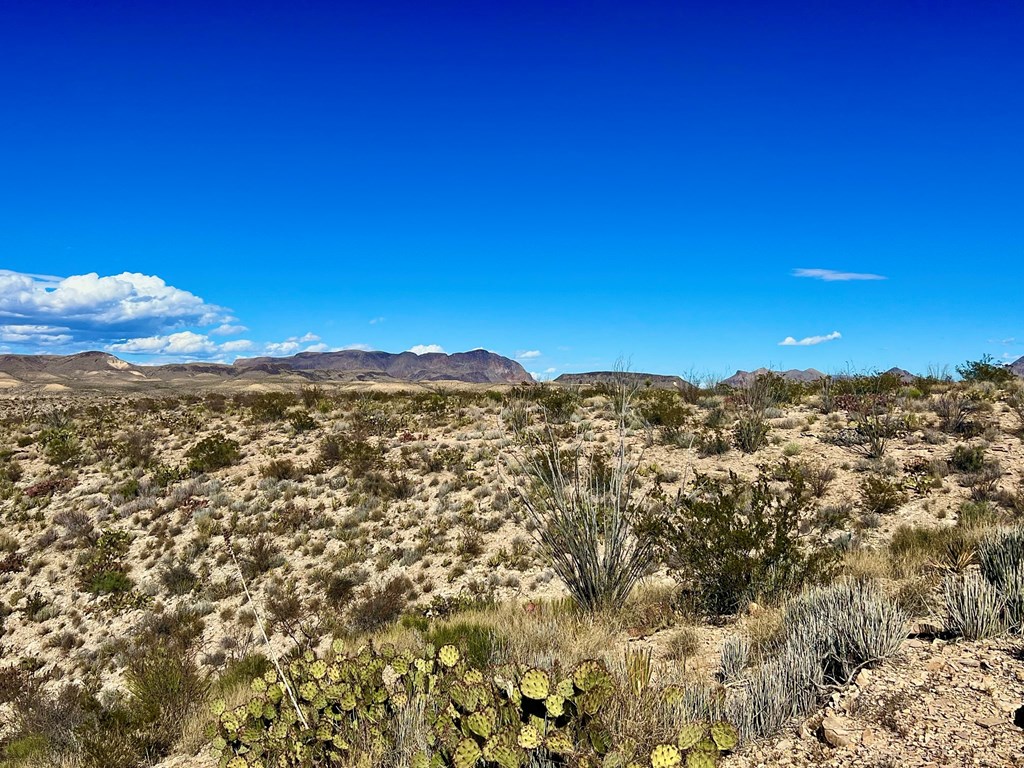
(263, 631)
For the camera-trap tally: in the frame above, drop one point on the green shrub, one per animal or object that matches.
(166, 686)
(377, 607)
(268, 407)
(968, 458)
(985, 369)
(712, 443)
(663, 408)
(731, 541)
(241, 672)
(60, 447)
(281, 469)
(750, 433)
(881, 496)
(102, 569)
(211, 453)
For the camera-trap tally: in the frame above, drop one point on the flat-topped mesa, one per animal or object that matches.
(477, 366)
(643, 380)
(101, 369)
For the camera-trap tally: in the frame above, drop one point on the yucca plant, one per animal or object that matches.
(585, 512)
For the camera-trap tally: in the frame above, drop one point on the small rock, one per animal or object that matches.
(989, 722)
(838, 733)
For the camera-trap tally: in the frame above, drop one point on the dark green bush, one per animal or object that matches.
(968, 458)
(281, 469)
(61, 447)
(178, 579)
(214, 452)
(355, 455)
(377, 607)
(663, 408)
(730, 541)
(102, 569)
(268, 407)
(712, 443)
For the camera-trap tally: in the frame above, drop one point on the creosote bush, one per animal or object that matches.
(731, 541)
(211, 453)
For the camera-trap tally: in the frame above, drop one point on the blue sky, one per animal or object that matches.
(580, 180)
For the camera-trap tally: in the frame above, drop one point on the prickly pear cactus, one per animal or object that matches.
(725, 736)
(700, 759)
(448, 655)
(665, 756)
(535, 684)
(690, 735)
(466, 754)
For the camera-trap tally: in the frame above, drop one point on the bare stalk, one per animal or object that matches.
(259, 622)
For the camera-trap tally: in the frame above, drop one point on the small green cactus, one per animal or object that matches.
(466, 754)
(665, 756)
(448, 656)
(690, 735)
(535, 684)
(725, 736)
(529, 737)
(555, 705)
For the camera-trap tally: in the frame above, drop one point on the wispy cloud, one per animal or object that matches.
(228, 330)
(528, 354)
(810, 341)
(832, 275)
(426, 349)
(377, 320)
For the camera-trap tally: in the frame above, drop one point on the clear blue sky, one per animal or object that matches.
(584, 180)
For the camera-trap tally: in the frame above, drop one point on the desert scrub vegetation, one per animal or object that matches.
(400, 523)
(730, 542)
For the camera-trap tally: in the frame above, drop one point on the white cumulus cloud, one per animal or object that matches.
(128, 301)
(832, 275)
(294, 344)
(528, 354)
(810, 341)
(43, 335)
(426, 349)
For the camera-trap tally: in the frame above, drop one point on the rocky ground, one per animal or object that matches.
(425, 495)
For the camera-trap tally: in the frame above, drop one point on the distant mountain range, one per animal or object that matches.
(98, 369)
(101, 370)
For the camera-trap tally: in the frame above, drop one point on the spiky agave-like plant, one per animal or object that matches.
(586, 517)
